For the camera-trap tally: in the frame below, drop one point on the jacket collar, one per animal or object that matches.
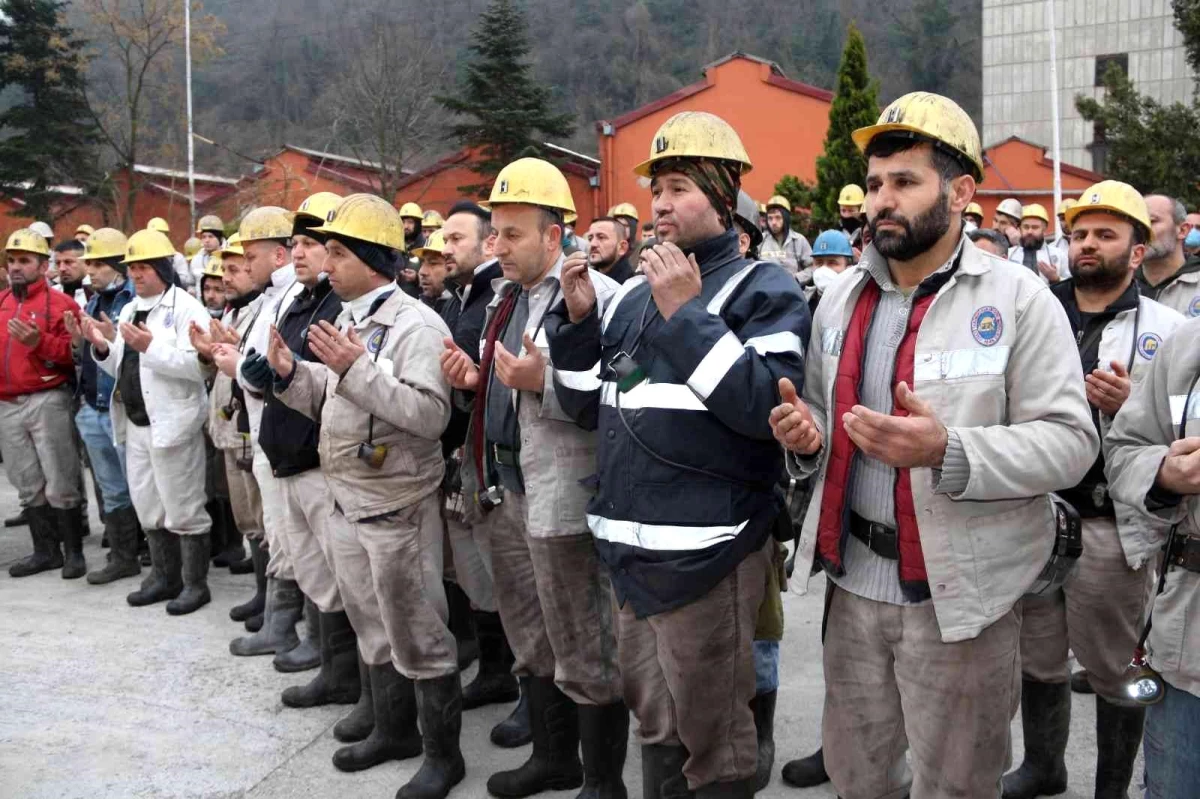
(1190, 266)
(722, 247)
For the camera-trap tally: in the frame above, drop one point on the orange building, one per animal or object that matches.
(782, 122)
(294, 173)
(1020, 169)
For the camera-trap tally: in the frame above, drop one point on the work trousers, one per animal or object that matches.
(471, 551)
(304, 517)
(555, 603)
(39, 452)
(165, 483)
(280, 565)
(689, 674)
(244, 497)
(1097, 614)
(389, 573)
(891, 685)
(106, 457)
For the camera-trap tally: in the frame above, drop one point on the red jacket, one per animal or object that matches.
(48, 365)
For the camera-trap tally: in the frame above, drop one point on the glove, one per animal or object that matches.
(256, 371)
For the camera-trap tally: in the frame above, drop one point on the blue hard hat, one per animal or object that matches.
(1193, 238)
(832, 242)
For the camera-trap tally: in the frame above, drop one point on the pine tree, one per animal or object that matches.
(855, 105)
(48, 133)
(502, 104)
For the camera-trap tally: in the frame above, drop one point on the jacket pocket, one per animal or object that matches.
(1175, 632)
(573, 463)
(1008, 550)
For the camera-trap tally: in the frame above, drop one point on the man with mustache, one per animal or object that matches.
(608, 249)
(1033, 251)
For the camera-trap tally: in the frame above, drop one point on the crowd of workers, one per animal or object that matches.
(578, 459)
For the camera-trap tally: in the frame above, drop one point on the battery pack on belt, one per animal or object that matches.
(1185, 553)
(1068, 546)
(504, 456)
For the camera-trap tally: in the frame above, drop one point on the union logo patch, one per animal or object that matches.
(987, 325)
(375, 342)
(1194, 308)
(1148, 344)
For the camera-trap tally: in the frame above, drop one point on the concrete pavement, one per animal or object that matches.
(98, 700)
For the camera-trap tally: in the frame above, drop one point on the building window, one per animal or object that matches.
(1098, 148)
(1102, 62)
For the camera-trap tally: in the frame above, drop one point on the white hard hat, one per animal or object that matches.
(43, 230)
(1010, 207)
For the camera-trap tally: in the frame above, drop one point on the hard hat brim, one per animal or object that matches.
(863, 136)
(1079, 210)
(643, 169)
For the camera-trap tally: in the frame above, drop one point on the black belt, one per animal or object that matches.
(1185, 552)
(884, 541)
(506, 456)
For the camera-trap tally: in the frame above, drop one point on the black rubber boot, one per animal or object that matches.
(495, 682)
(231, 550)
(194, 550)
(70, 526)
(1118, 736)
(806, 772)
(439, 704)
(739, 789)
(20, 520)
(554, 764)
(462, 624)
(285, 605)
(121, 527)
(165, 580)
(1080, 684)
(1046, 722)
(515, 730)
(256, 604)
(662, 772)
(46, 553)
(254, 623)
(359, 722)
(763, 707)
(307, 654)
(337, 683)
(603, 741)
(395, 735)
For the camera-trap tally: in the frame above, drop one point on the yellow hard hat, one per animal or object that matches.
(431, 219)
(933, 116)
(434, 245)
(695, 134)
(88, 229)
(974, 209)
(215, 266)
(318, 205)
(266, 222)
(233, 246)
(1114, 196)
(762, 208)
(570, 218)
(192, 246)
(624, 209)
(148, 245)
(26, 240)
(1035, 211)
(106, 242)
(779, 201)
(532, 181)
(211, 223)
(411, 211)
(1066, 205)
(365, 217)
(159, 224)
(851, 194)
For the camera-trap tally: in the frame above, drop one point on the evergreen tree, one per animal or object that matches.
(855, 105)
(502, 105)
(48, 132)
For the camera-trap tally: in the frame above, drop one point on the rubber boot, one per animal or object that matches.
(1080, 684)
(806, 772)
(195, 551)
(515, 731)
(46, 553)
(359, 722)
(20, 520)
(70, 526)
(395, 735)
(1118, 735)
(763, 707)
(738, 789)
(662, 772)
(122, 530)
(307, 654)
(231, 550)
(462, 624)
(337, 683)
(1046, 721)
(254, 623)
(603, 741)
(246, 565)
(495, 682)
(439, 704)
(165, 580)
(554, 764)
(285, 605)
(256, 603)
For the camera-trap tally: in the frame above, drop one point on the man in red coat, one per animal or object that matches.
(36, 382)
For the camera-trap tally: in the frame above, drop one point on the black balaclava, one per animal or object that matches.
(383, 260)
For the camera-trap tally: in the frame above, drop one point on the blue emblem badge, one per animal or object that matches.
(1194, 308)
(986, 325)
(375, 342)
(1147, 345)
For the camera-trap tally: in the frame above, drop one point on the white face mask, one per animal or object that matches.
(969, 225)
(823, 277)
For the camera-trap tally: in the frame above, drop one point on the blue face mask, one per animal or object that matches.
(1192, 241)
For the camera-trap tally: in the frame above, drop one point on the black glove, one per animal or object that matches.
(256, 371)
